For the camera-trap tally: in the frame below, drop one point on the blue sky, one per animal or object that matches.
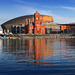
(63, 11)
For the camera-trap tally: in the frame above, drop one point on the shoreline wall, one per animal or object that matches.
(33, 36)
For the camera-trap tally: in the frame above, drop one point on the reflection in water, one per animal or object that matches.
(1, 46)
(53, 54)
(37, 49)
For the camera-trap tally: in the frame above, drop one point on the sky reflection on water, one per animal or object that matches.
(55, 56)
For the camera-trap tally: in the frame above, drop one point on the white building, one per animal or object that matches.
(1, 31)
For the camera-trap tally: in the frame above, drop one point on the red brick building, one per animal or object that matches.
(34, 28)
(68, 28)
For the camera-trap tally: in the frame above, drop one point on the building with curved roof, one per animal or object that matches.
(21, 21)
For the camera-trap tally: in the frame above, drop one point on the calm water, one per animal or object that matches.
(37, 57)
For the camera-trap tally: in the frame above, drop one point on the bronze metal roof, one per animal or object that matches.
(21, 20)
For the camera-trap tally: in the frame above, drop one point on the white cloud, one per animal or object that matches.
(45, 12)
(49, 6)
(3, 18)
(57, 18)
(20, 1)
(25, 9)
(64, 7)
(60, 19)
(25, 2)
(69, 8)
(31, 10)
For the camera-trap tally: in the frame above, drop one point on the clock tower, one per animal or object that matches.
(37, 23)
(37, 19)
(36, 28)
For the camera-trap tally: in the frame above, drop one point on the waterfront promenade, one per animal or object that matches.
(19, 36)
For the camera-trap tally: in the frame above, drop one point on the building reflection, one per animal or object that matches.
(67, 47)
(1, 45)
(63, 46)
(41, 50)
(39, 47)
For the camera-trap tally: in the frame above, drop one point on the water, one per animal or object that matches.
(37, 57)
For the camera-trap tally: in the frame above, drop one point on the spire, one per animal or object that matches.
(31, 23)
(37, 11)
(26, 21)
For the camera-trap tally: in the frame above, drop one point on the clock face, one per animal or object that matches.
(37, 18)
